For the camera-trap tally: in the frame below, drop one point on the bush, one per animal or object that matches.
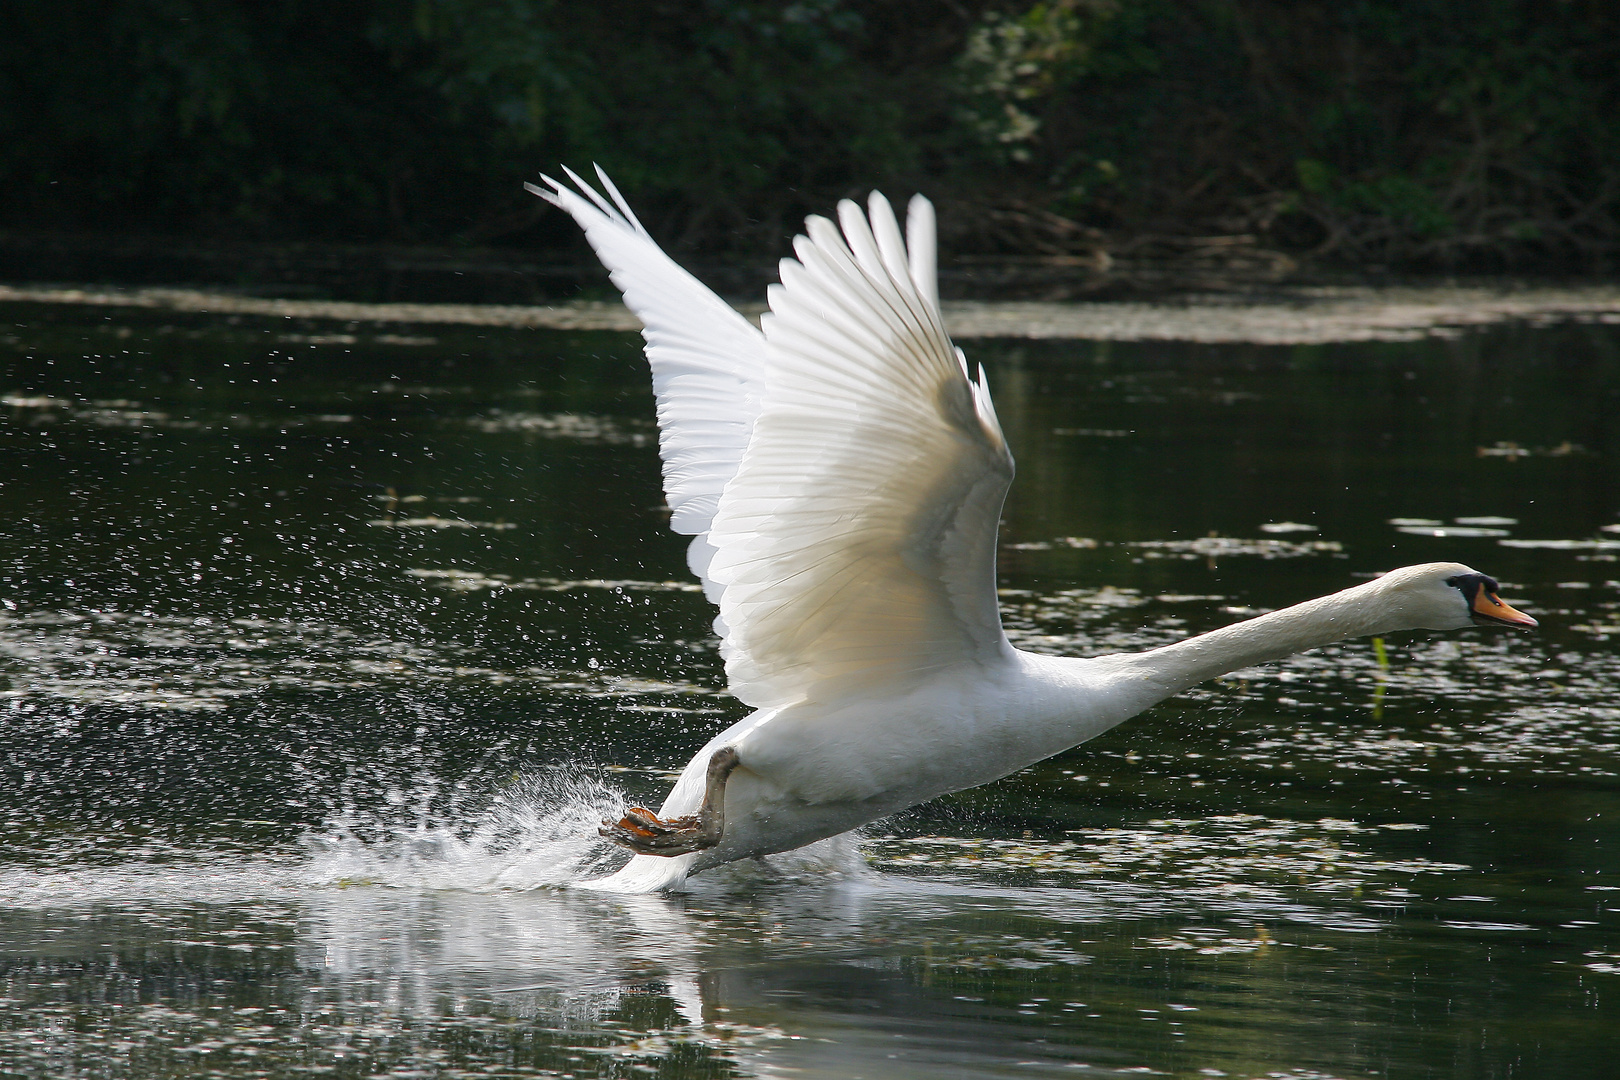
(1425, 133)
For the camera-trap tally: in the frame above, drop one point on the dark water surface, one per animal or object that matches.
(322, 651)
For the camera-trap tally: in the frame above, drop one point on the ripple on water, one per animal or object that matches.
(193, 664)
(1313, 872)
(577, 427)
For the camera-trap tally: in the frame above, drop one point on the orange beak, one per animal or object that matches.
(1488, 607)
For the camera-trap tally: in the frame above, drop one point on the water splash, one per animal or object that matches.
(540, 831)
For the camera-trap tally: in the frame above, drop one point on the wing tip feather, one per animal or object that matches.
(553, 197)
(922, 248)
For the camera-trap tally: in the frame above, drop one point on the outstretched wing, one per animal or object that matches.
(843, 473)
(708, 362)
(856, 543)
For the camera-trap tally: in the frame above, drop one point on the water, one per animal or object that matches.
(324, 647)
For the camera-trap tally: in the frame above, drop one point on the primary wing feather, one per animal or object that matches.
(856, 544)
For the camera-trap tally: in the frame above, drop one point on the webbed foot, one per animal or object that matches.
(644, 833)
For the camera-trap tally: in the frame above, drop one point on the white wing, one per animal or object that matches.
(856, 543)
(708, 362)
(843, 474)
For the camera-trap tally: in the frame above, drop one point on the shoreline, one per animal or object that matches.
(1299, 316)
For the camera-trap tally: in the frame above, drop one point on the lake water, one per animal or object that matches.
(324, 647)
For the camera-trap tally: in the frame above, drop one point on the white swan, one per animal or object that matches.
(842, 476)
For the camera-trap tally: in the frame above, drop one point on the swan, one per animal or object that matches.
(841, 472)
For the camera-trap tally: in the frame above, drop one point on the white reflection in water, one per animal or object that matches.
(568, 955)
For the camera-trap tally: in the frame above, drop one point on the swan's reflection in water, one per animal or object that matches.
(1235, 942)
(841, 972)
(568, 956)
(1251, 953)
(810, 979)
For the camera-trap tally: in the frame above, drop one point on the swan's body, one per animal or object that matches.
(842, 475)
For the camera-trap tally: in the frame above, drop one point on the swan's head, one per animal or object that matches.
(1448, 596)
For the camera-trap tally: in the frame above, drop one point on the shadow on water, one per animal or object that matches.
(325, 648)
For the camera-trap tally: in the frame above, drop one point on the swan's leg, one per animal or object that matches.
(646, 834)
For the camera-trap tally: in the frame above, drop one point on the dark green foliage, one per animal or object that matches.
(1476, 133)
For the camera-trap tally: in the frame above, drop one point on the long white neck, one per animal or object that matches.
(1150, 677)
